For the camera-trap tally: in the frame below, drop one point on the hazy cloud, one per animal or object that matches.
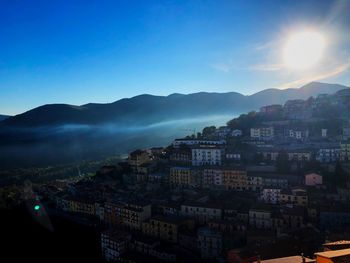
(328, 74)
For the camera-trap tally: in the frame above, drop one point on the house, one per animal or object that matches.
(262, 133)
(345, 150)
(270, 195)
(313, 179)
(260, 218)
(328, 153)
(201, 211)
(184, 177)
(209, 243)
(137, 158)
(163, 227)
(236, 133)
(207, 155)
(333, 256)
(295, 196)
(114, 243)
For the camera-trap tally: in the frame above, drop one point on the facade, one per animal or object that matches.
(134, 213)
(184, 177)
(137, 158)
(296, 196)
(207, 155)
(334, 256)
(163, 228)
(298, 134)
(270, 195)
(262, 133)
(313, 179)
(345, 150)
(201, 212)
(236, 133)
(78, 205)
(209, 243)
(114, 244)
(260, 218)
(329, 154)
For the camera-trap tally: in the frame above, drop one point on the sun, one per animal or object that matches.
(304, 50)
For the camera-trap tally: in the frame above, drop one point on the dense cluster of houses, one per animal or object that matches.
(223, 196)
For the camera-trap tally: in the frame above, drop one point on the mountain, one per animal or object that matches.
(148, 109)
(3, 117)
(60, 133)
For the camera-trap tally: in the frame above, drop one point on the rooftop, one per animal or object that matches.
(292, 259)
(334, 253)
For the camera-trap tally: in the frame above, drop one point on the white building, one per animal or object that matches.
(207, 155)
(262, 133)
(236, 133)
(324, 133)
(328, 154)
(270, 195)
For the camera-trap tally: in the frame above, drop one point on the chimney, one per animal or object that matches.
(303, 258)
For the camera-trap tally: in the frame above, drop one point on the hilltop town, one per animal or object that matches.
(270, 184)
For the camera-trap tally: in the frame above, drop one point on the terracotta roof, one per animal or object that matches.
(292, 259)
(334, 253)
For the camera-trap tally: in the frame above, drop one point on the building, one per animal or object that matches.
(298, 134)
(163, 228)
(181, 155)
(234, 179)
(81, 205)
(260, 218)
(114, 243)
(329, 154)
(345, 150)
(184, 177)
(191, 142)
(137, 158)
(296, 197)
(207, 155)
(291, 259)
(270, 195)
(262, 133)
(313, 179)
(334, 217)
(333, 256)
(134, 213)
(225, 177)
(203, 213)
(236, 133)
(299, 155)
(209, 243)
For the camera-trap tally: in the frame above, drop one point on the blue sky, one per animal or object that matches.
(99, 51)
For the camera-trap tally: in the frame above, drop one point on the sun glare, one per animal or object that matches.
(303, 50)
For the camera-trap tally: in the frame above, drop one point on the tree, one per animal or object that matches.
(208, 131)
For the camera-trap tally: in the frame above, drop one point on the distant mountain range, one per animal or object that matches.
(148, 109)
(3, 117)
(61, 133)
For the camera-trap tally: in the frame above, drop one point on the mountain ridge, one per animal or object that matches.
(147, 109)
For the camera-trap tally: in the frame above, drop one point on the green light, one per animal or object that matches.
(36, 207)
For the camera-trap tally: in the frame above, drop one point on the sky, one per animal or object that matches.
(77, 52)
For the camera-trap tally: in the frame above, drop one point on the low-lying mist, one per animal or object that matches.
(69, 143)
